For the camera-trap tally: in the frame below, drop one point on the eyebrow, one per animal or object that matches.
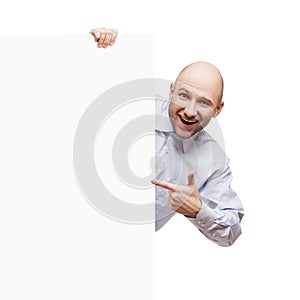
(204, 98)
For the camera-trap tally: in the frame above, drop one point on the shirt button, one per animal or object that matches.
(198, 222)
(214, 234)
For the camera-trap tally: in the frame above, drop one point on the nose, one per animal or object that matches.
(190, 109)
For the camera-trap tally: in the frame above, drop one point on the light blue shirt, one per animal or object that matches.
(221, 212)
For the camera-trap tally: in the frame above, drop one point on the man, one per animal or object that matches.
(192, 172)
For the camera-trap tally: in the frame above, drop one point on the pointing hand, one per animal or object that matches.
(184, 199)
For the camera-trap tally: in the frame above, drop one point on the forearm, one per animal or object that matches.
(221, 227)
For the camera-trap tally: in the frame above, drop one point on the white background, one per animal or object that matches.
(54, 245)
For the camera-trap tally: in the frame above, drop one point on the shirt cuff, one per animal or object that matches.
(205, 219)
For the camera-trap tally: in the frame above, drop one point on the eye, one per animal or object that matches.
(203, 102)
(183, 95)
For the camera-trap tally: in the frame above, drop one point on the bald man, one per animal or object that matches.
(192, 172)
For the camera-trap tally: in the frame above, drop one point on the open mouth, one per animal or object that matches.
(187, 122)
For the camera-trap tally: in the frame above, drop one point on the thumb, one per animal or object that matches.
(191, 179)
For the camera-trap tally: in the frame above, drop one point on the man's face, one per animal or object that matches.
(193, 102)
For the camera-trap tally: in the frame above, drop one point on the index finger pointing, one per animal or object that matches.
(164, 184)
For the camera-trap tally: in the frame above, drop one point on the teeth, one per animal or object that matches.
(188, 121)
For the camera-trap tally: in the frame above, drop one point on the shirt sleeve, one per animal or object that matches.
(221, 212)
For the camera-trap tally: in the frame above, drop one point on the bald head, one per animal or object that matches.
(204, 76)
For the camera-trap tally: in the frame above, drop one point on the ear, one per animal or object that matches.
(172, 86)
(218, 109)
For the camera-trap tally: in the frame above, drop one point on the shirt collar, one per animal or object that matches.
(162, 120)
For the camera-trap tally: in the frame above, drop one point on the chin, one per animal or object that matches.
(183, 133)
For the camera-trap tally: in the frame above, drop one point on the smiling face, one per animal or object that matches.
(195, 98)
